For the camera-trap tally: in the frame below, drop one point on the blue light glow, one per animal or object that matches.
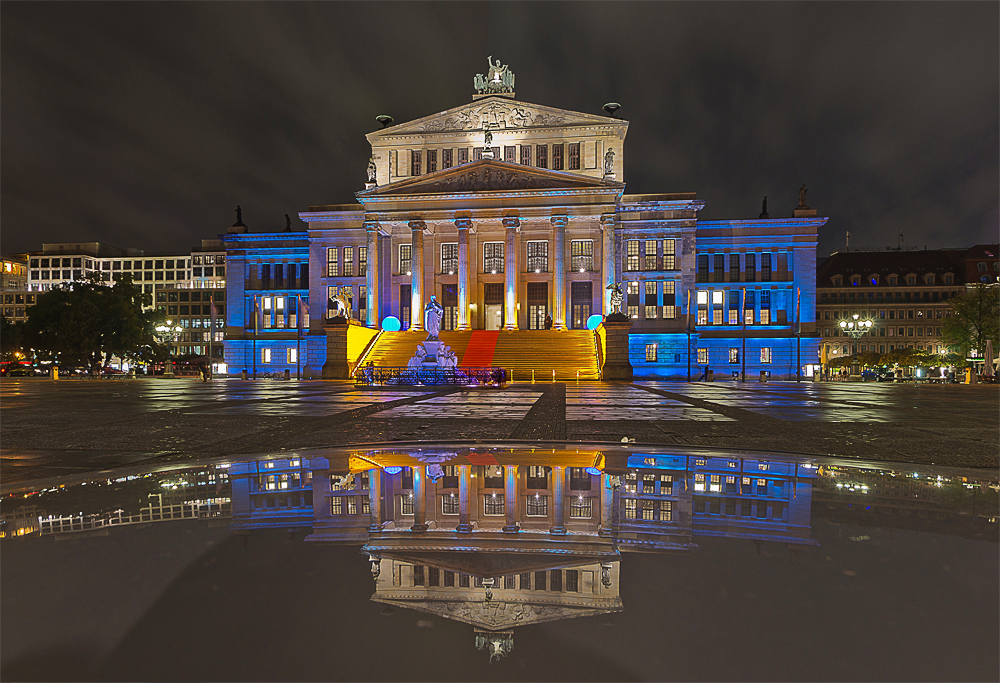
(393, 469)
(391, 324)
(593, 321)
(594, 471)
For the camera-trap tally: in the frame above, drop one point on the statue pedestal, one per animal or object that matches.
(613, 333)
(432, 348)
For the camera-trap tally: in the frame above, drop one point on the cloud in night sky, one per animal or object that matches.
(145, 124)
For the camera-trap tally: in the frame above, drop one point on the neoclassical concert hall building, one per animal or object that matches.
(515, 218)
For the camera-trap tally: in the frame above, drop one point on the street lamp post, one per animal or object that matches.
(169, 332)
(856, 328)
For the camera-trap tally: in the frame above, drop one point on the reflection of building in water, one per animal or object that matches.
(272, 493)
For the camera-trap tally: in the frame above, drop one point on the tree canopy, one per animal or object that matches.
(975, 318)
(86, 322)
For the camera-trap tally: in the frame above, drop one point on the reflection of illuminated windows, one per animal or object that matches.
(580, 508)
(666, 511)
(449, 505)
(629, 483)
(336, 505)
(762, 487)
(494, 504)
(555, 580)
(433, 576)
(699, 482)
(525, 582)
(714, 483)
(540, 581)
(666, 484)
(647, 510)
(647, 483)
(630, 508)
(730, 484)
(463, 580)
(407, 505)
(730, 506)
(352, 505)
(572, 581)
(538, 506)
(449, 578)
(418, 575)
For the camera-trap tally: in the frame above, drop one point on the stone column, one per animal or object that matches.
(510, 252)
(608, 254)
(510, 499)
(559, 272)
(607, 503)
(372, 281)
(559, 475)
(375, 499)
(419, 499)
(464, 526)
(417, 275)
(463, 225)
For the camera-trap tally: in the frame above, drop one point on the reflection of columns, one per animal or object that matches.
(559, 475)
(463, 499)
(607, 502)
(372, 283)
(463, 225)
(510, 498)
(559, 275)
(510, 250)
(417, 275)
(608, 254)
(375, 499)
(419, 500)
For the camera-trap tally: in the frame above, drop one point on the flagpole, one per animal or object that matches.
(743, 315)
(688, 318)
(211, 332)
(798, 334)
(298, 335)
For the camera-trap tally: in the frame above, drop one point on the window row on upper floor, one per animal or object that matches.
(884, 297)
(144, 264)
(563, 156)
(748, 267)
(892, 280)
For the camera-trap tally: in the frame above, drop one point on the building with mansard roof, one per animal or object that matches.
(515, 218)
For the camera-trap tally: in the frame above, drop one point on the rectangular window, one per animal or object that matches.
(540, 581)
(632, 255)
(765, 267)
(415, 162)
(265, 355)
(702, 356)
(463, 155)
(572, 581)
(574, 156)
(537, 506)
(542, 156)
(668, 255)
(526, 155)
(332, 262)
(449, 504)
(751, 267)
(734, 267)
(418, 575)
(651, 353)
(348, 261)
(510, 154)
(493, 257)
(734, 355)
(765, 354)
(446, 158)
(666, 511)
(292, 356)
(630, 508)
(582, 255)
(405, 251)
(702, 274)
(362, 262)
(649, 256)
(557, 157)
(432, 160)
(406, 504)
(538, 257)
(581, 508)
(494, 505)
(719, 268)
(449, 258)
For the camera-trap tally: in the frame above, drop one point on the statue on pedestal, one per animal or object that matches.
(371, 170)
(609, 162)
(802, 198)
(617, 296)
(433, 313)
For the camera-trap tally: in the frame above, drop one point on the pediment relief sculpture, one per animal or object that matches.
(497, 114)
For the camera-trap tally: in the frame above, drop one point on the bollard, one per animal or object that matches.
(288, 374)
(763, 376)
(55, 372)
(532, 376)
(553, 375)
(243, 374)
(577, 376)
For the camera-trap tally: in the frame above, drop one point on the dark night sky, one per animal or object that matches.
(144, 124)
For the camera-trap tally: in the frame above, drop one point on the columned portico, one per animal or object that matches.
(608, 253)
(375, 499)
(513, 226)
(559, 502)
(372, 275)
(510, 499)
(417, 276)
(607, 505)
(464, 525)
(559, 272)
(419, 499)
(463, 225)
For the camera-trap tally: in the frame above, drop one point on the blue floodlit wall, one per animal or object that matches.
(248, 254)
(672, 356)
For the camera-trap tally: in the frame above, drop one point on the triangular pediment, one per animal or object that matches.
(501, 615)
(485, 564)
(489, 175)
(497, 113)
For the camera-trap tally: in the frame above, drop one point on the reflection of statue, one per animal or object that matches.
(489, 138)
(341, 302)
(371, 170)
(802, 198)
(609, 162)
(616, 297)
(433, 312)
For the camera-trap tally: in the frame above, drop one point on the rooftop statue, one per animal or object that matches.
(609, 162)
(371, 170)
(802, 198)
(497, 79)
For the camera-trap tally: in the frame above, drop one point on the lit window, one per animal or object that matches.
(699, 482)
(651, 353)
(668, 255)
(734, 355)
(702, 356)
(293, 356)
(580, 508)
(765, 354)
(702, 298)
(494, 504)
(265, 355)
(404, 258)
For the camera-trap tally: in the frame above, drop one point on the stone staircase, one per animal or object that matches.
(521, 352)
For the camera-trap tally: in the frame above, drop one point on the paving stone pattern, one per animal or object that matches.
(50, 428)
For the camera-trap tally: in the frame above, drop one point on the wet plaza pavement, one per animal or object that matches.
(53, 428)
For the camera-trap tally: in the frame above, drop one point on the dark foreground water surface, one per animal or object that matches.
(605, 564)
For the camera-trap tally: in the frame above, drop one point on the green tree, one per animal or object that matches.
(11, 339)
(975, 318)
(86, 322)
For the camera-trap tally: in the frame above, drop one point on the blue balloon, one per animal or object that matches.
(391, 324)
(593, 321)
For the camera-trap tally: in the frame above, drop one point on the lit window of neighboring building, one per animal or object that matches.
(404, 258)
(348, 261)
(582, 255)
(332, 260)
(265, 355)
(651, 353)
(734, 355)
(668, 255)
(765, 354)
(580, 508)
(702, 356)
(632, 255)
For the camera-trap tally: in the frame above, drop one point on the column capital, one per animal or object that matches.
(376, 226)
(559, 221)
(607, 221)
(512, 222)
(417, 225)
(465, 224)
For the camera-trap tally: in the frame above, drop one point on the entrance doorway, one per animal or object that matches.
(581, 296)
(538, 304)
(493, 305)
(449, 300)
